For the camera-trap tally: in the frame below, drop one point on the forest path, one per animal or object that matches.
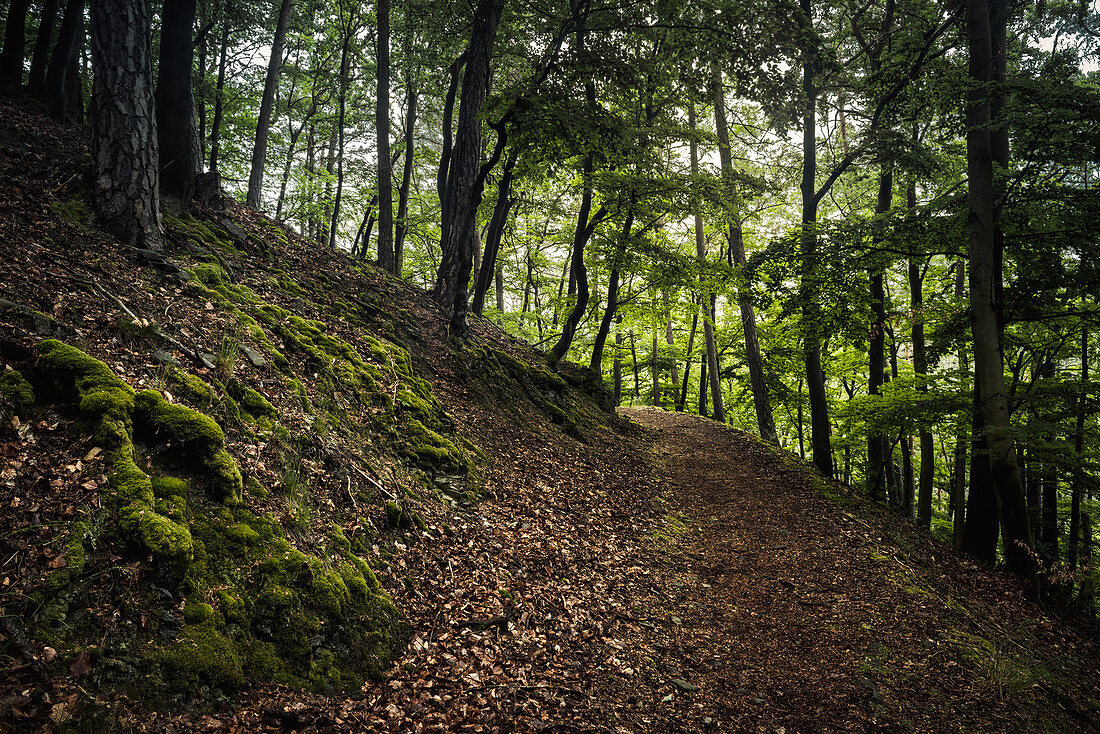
(799, 615)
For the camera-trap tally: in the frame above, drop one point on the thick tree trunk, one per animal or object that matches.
(15, 46)
(703, 388)
(488, 267)
(448, 150)
(176, 130)
(984, 267)
(126, 191)
(56, 96)
(811, 346)
(634, 362)
(387, 260)
(40, 57)
(267, 103)
(464, 185)
(765, 422)
(401, 226)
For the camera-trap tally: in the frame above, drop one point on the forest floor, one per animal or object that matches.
(681, 576)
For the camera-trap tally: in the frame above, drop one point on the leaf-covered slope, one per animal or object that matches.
(212, 454)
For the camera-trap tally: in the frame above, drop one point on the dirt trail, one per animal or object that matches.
(800, 615)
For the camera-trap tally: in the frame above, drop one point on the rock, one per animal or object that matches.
(254, 358)
(683, 685)
(677, 621)
(162, 357)
(208, 361)
(759, 701)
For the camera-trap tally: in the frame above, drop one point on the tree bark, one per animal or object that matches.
(681, 399)
(267, 102)
(765, 422)
(448, 149)
(920, 367)
(126, 191)
(401, 226)
(464, 185)
(15, 46)
(504, 203)
(879, 450)
(984, 268)
(40, 56)
(219, 102)
(345, 71)
(707, 298)
(387, 260)
(1077, 488)
(596, 364)
(617, 368)
(55, 95)
(176, 131)
(811, 347)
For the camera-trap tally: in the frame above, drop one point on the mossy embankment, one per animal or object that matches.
(257, 436)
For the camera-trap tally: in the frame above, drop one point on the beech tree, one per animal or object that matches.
(267, 102)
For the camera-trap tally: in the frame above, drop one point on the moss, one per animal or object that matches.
(197, 613)
(190, 432)
(208, 274)
(201, 656)
(99, 390)
(16, 391)
(233, 608)
(242, 533)
(190, 388)
(168, 541)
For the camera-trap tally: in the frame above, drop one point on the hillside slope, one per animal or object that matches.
(255, 486)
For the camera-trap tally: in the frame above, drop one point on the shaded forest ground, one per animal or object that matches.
(651, 572)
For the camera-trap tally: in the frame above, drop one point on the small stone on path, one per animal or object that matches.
(683, 685)
(254, 358)
(162, 357)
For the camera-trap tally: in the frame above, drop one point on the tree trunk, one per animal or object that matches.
(219, 102)
(1077, 488)
(464, 185)
(330, 170)
(56, 96)
(920, 367)
(345, 70)
(706, 298)
(634, 361)
(267, 102)
(962, 433)
(401, 226)
(879, 451)
(703, 387)
(596, 364)
(681, 399)
(654, 368)
(448, 146)
(617, 368)
(764, 420)
(74, 88)
(670, 339)
(15, 46)
(176, 130)
(40, 57)
(387, 260)
(124, 125)
(504, 202)
(984, 267)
